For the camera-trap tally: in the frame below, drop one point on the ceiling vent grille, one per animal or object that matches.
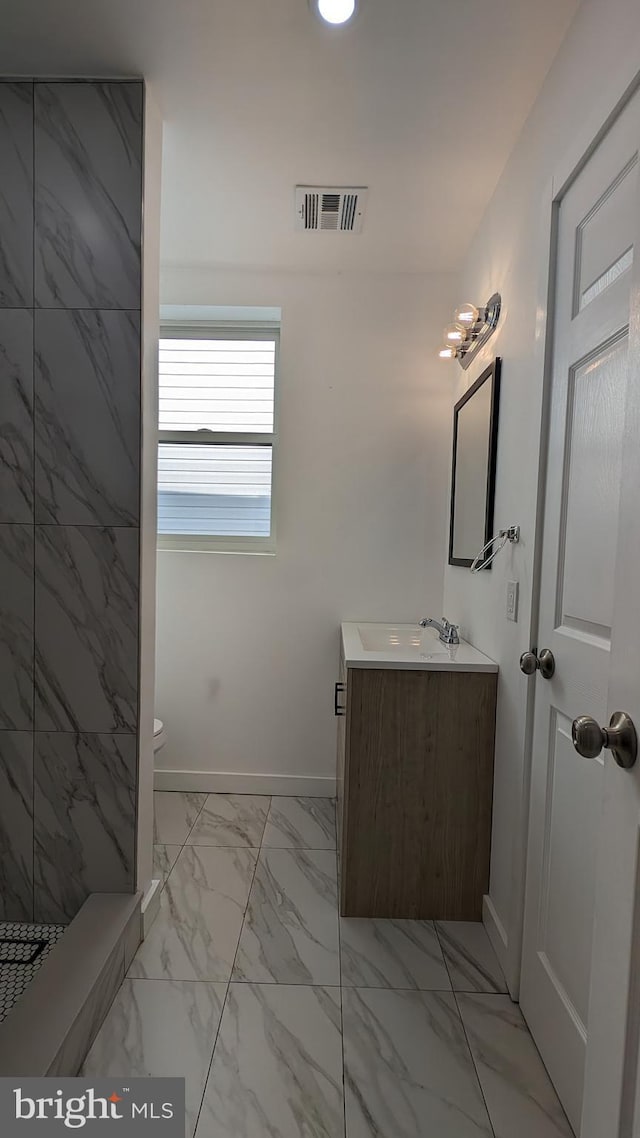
(332, 209)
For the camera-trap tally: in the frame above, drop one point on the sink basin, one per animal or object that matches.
(408, 646)
(396, 638)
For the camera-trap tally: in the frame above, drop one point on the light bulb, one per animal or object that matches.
(467, 315)
(455, 334)
(448, 353)
(336, 11)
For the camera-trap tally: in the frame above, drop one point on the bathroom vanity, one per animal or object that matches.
(416, 724)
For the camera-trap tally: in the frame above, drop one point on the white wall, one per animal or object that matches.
(248, 646)
(598, 60)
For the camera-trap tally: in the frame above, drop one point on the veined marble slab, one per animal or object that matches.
(84, 819)
(290, 932)
(175, 813)
(16, 393)
(88, 172)
(16, 826)
(391, 954)
(231, 820)
(86, 628)
(277, 1066)
(16, 195)
(16, 627)
(408, 1069)
(301, 823)
(468, 952)
(87, 418)
(160, 1028)
(164, 859)
(195, 935)
(518, 1092)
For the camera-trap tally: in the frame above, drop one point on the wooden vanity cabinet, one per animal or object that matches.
(414, 785)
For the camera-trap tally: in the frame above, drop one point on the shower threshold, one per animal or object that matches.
(58, 983)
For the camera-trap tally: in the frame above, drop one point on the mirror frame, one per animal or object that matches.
(489, 375)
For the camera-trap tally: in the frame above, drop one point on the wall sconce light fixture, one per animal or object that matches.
(471, 329)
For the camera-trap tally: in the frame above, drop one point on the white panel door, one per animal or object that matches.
(611, 1103)
(597, 224)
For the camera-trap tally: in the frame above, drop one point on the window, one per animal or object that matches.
(216, 432)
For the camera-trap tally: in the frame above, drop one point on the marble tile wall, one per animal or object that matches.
(70, 308)
(16, 195)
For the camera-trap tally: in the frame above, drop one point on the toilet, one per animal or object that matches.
(159, 736)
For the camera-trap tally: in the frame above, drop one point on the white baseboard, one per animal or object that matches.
(221, 782)
(496, 932)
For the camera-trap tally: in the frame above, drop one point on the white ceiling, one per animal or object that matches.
(421, 100)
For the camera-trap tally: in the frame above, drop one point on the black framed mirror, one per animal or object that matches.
(473, 474)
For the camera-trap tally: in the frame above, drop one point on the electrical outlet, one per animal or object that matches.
(512, 600)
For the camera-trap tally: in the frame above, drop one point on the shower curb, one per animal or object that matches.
(52, 1027)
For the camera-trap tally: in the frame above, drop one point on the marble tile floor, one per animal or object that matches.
(287, 1021)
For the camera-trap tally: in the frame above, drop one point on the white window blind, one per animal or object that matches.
(216, 423)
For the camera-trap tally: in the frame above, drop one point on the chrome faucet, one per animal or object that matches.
(448, 632)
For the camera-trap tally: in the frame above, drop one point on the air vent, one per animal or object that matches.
(334, 209)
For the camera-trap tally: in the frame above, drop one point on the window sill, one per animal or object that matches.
(190, 543)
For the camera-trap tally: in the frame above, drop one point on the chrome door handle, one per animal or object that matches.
(545, 663)
(620, 737)
(338, 709)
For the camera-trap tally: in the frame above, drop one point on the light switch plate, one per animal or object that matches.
(512, 600)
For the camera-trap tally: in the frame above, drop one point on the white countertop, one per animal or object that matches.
(408, 646)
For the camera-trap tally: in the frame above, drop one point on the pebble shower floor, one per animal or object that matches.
(23, 950)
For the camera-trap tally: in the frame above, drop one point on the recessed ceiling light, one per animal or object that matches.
(335, 11)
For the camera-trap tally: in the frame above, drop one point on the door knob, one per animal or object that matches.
(619, 737)
(529, 663)
(545, 662)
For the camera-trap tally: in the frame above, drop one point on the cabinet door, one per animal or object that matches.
(416, 799)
